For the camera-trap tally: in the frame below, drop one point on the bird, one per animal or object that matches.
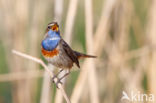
(58, 53)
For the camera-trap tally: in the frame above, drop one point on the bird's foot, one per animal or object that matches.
(53, 78)
(57, 81)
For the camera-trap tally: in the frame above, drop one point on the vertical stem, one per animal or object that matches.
(89, 40)
(70, 20)
(151, 33)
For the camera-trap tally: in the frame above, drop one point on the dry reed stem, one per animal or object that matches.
(58, 9)
(80, 84)
(93, 85)
(151, 34)
(39, 8)
(102, 27)
(22, 93)
(46, 68)
(21, 75)
(58, 97)
(46, 89)
(119, 47)
(124, 14)
(70, 20)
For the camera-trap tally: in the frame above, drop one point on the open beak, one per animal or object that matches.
(55, 27)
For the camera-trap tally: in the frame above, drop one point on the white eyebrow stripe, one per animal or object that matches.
(50, 24)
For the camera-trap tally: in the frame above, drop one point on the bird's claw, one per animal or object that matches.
(57, 82)
(53, 78)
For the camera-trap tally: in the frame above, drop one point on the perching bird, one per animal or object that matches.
(57, 52)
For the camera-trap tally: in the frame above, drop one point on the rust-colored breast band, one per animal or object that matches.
(49, 53)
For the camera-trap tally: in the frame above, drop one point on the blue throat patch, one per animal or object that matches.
(51, 41)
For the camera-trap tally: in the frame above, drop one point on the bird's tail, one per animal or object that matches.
(81, 55)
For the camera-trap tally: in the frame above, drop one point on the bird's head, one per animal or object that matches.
(53, 26)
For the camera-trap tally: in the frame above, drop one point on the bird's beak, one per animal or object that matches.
(55, 27)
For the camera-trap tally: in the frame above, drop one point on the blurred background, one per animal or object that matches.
(122, 33)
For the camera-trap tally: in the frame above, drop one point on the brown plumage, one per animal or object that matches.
(57, 52)
(74, 55)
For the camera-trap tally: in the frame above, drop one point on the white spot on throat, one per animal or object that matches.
(54, 38)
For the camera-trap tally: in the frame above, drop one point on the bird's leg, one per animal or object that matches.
(55, 76)
(59, 79)
(64, 75)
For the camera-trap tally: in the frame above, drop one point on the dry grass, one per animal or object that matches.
(121, 34)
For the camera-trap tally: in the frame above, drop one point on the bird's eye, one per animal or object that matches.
(49, 27)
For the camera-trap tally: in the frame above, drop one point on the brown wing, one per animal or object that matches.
(70, 52)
